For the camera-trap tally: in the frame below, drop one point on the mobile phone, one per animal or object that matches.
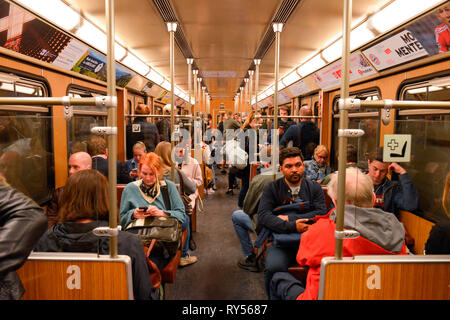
(310, 221)
(143, 208)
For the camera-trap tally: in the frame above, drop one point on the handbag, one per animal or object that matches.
(165, 230)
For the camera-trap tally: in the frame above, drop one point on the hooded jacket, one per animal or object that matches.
(78, 237)
(380, 233)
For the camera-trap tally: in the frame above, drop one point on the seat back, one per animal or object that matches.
(385, 278)
(76, 276)
(418, 228)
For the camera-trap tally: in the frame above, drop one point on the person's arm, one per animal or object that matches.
(22, 223)
(407, 198)
(269, 220)
(127, 206)
(288, 136)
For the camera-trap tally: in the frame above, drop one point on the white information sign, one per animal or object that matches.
(397, 148)
(71, 54)
(396, 50)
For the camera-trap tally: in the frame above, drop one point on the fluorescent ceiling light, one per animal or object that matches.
(136, 64)
(155, 77)
(360, 35)
(55, 11)
(270, 91)
(166, 85)
(281, 85)
(312, 65)
(119, 52)
(291, 78)
(398, 12)
(92, 35)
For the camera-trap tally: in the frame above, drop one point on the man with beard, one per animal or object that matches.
(286, 190)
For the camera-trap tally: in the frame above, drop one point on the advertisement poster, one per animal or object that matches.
(283, 97)
(93, 64)
(299, 88)
(331, 75)
(71, 54)
(21, 32)
(164, 97)
(398, 49)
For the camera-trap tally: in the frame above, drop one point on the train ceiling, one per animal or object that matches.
(225, 36)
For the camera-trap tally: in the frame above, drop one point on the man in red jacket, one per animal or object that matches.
(380, 233)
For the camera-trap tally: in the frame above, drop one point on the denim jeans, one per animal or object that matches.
(277, 260)
(184, 226)
(285, 287)
(242, 225)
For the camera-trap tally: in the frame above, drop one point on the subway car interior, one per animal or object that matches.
(238, 150)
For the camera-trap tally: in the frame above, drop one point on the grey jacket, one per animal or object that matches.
(376, 225)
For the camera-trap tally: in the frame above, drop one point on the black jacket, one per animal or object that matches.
(278, 193)
(22, 223)
(78, 237)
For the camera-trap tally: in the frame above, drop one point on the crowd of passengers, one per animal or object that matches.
(290, 211)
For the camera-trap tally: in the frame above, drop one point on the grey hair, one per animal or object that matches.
(358, 188)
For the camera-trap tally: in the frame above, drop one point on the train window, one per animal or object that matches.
(84, 119)
(366, 119)
(26, 159)
(430, 154)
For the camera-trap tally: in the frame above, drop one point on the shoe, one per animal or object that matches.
(249, 263)
(192, 245)
(230, 192)
(185, 261)
(236, 186)
(210, 191)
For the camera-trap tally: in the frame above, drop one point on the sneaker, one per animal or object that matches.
(192, 244)
(249, 263)
(210, 191)
(185, 261)
(230, 192)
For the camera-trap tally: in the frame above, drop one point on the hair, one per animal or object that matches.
(446, 195)
(153, 161)
(140, 145)
(286, 109)
(377, 155)
(142, 109)
(230, 113)
(352, 153)
(164, 151)
(85, 196)
(249, 119)
(290, 152)
(305, 111)
(321, 148)
(358, 188)
(96, 145)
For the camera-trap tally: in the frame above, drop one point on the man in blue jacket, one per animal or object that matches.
(395, 194)
(292, 186)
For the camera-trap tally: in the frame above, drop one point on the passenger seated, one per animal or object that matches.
(84, 207)
(96, 147)
(193, 172)
(131, 165)
(164, 151)
(146, 193)
(395, 194)
(292, 187)
(380, 233)
(245, 220)
(22, 223)
(316, 169)
(77, 162)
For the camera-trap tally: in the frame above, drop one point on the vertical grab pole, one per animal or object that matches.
(343, 124)
(112, 122)
(257, 63)
(172, 27)
(250, 91)
(277, 28)
(188, 143)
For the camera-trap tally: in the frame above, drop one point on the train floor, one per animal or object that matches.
(216, 275)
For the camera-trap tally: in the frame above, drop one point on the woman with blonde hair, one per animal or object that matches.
(316, 169)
